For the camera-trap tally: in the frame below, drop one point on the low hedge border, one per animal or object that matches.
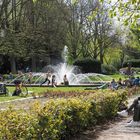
(59, 118)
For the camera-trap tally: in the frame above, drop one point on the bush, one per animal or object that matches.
(59, 118)
(132, 62)
(6, 76)
(133, 70)
(88, 65)
(108, 69)
(137, 70)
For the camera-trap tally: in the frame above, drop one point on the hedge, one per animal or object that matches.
(108, 69)
(88, 65)
(59, 118)
(132, 62)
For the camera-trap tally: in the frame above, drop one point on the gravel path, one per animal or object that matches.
(115, 130)
(23, 103)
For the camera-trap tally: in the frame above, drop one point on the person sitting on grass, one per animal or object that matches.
(119, 82)
(136, 117)
(113, 85)
(65, 79)
(10, 76)
(18, 84)
(137, 81)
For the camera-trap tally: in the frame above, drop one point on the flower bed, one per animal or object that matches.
(60, 117)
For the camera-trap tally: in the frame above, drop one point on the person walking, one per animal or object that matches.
(54, 81)
(46, 79)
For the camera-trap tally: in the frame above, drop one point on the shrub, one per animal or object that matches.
(132, 62)
(137, 70)
(17, 125)
(88, 65)
(6, 76)
(108, 69)
(59, 118)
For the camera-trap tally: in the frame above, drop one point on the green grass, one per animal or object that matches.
(117, 76)
(110, 77)
(38, 90)
(43, 89)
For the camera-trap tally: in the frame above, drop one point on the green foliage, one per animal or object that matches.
(12, 45)
(59, 118)
(124, 9)
(88, 65)
(16, 125)
(133, 62)
(133, 48)
(116, 63)
(108, 69)
(32, 29)
(137, 70)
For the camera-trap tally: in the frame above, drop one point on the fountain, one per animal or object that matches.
(73, 73)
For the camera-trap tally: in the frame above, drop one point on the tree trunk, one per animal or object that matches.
(101, 53)
(13, 64)
(33, 64)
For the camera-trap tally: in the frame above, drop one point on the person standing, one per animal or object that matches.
(30, 77)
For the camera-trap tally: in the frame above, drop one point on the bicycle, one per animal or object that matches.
(21, 90)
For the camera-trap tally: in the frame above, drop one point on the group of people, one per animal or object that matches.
(135, 106)
(52, 80)
(130, 82)
(49, 79)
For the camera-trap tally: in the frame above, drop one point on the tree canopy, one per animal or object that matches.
(36, 31)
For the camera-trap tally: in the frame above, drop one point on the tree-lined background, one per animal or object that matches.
(33, 33)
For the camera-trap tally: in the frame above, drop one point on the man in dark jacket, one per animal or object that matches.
(136, 117)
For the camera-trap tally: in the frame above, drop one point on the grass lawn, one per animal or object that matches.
(117, 76)
(110, 77)
(43, 89)
(38, 90)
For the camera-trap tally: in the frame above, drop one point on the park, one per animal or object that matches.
(69, 70)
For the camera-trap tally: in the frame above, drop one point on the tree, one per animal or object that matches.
(11, 37)
(78, 29)
(89, 32)
(132, 48)
(35, 30)
(47, 29)
(127, 11)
